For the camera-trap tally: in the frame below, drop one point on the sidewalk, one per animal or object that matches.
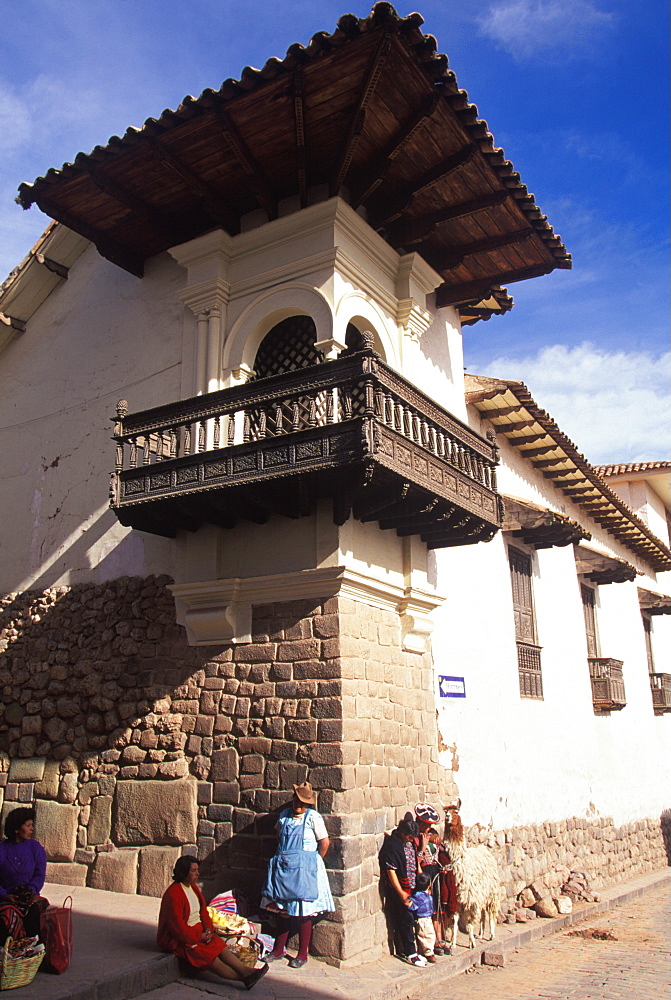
(115, 955)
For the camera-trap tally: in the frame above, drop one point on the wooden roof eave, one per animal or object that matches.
(510, 408)
(44, 268)
(124, 219)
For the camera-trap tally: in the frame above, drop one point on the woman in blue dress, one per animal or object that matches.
(300, 828)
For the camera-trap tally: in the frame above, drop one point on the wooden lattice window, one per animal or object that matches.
(290, 345)
(647, 631)
(528, 650)
(589, 611)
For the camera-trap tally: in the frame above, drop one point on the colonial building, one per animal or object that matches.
(307, 567)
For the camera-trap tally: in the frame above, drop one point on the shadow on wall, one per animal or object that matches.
(66, 558)
(135, 745)
(665, 823)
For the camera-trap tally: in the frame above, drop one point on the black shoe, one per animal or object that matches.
(275, 958)
(252, 979)
(297, 963)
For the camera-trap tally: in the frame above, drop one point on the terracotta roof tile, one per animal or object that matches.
(625, 468)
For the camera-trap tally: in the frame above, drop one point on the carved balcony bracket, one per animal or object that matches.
(415, 279)
(215, 612)
(212, 613)
(412, 319)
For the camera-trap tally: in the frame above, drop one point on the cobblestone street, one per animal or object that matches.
(634, 964)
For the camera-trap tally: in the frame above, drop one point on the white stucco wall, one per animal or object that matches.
(526, 761)
(101, 336)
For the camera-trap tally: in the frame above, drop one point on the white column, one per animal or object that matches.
(201, 353)
(213, 374)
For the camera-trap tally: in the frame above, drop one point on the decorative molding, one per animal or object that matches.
(220, 611)
(415, 279)
(206, 296)
(412, 319)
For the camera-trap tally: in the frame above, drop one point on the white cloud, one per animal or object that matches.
(531, 28)
(614, 406)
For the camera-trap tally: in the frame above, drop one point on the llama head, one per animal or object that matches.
(453, 829)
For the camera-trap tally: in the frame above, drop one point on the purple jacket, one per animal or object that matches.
(422, 904)
(22, 863)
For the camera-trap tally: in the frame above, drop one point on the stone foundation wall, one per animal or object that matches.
(136, 747)
(606, 853)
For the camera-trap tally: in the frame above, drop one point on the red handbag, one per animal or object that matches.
(57, 935)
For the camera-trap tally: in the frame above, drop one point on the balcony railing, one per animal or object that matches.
(351, 429)
(529, 666)
(661, 693)
(607, 684)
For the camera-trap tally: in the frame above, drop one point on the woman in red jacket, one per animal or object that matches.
(185, 928)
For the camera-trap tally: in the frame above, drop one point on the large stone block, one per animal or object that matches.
(27, 769)
(116, 871)
(100, 820)
(155, 812)
(56, 829)
(156, 865)
(64, 873)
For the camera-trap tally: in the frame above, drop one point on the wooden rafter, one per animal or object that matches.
(163, 226)
(264, 192)
(534, 452)
(501, 411)
(451, 259)
(520, 425)
(299, 123)
(450, 295)
(52, 265)
(108, 248)
(408, 233)
(547, 463)
(394, 208)
(376, 174)
(559, 473)
(220, 211)
(579, 490)
(519, 441)
(357, 122)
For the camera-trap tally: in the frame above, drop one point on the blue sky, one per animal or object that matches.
(574, 90)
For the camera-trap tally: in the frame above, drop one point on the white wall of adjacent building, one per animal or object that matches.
(100, 336)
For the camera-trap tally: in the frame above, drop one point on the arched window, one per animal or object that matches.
(288, 346)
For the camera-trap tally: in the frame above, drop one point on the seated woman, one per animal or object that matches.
(23, 865)
(185, 928)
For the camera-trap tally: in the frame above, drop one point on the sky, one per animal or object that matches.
(575, 91)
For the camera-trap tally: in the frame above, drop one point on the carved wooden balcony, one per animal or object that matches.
(607, 684)
(661, 693)
(351, 430)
